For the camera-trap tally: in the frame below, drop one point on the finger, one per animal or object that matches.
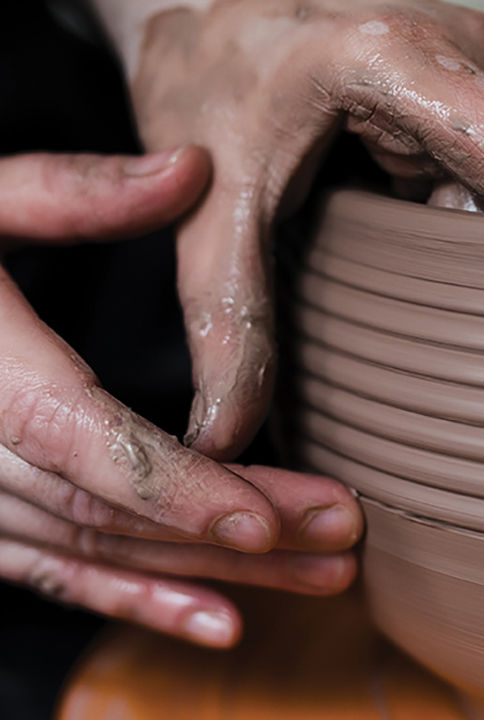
(51, 492)
(225, 279)
(55, 417)
(317, 514)
(292, 571)
(429, 102)
(78, 197)
(225, 290)
(166, 605)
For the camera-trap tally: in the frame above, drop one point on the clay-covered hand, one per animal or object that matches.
(97, 506)
(265, 85)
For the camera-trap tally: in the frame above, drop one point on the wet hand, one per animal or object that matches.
(265, 85)
(97, 506)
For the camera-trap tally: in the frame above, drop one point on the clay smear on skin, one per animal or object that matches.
(149, 457)
(374, 27)
(247, 349)
(448, 63)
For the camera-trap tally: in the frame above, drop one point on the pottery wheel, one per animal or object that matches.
(301, 659)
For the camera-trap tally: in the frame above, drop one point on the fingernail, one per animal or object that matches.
(243, 531)
(214, 628)
(153, 163)
(334, 525)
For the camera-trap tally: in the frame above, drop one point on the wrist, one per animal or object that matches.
(126, 21)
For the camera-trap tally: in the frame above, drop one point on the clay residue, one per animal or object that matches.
(450, 194)
(48, 584)
(305, 11)
(148, 456)
(130, 450)
(241, 334)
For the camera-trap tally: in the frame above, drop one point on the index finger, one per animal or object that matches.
(56, 417)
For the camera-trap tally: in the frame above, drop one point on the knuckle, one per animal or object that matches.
(42, 423)
(87, 511)
(414, 30)
(84, 541)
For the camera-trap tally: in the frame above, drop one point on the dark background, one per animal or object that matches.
(60, 93)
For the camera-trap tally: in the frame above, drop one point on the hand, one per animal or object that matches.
(97, 506)
(90, 556)
(265, 85)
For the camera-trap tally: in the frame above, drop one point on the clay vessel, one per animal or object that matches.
(383, 340)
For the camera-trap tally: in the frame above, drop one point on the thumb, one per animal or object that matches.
(91, 197)
(56, 418)
(225, 290)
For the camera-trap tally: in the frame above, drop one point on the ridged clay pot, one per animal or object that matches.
(384, 339)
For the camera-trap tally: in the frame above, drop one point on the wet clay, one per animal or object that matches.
(380, 282)
(401, 426)
(422, 466)
(404, 238)
(389, 349)
(419, 393)
(384, 339)
(425, 583)
(403, 318)
(242, 331)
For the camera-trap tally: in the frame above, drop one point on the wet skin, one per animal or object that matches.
(102, 498)
(264, 86)
(97, 506)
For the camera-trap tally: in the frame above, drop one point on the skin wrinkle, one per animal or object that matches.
(163, 472)
(142, 451)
